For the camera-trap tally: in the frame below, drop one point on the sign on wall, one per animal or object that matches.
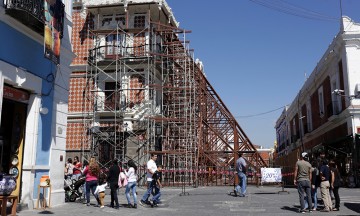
(270, 175)
(52, 10)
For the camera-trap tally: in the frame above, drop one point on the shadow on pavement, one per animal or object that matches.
(293, 209)
(46, 212)
(353, 206)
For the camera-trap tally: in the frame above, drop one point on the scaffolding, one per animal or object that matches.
(146, 94)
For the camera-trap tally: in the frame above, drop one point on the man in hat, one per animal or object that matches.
(302, 178)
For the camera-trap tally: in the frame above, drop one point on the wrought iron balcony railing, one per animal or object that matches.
(31, 13)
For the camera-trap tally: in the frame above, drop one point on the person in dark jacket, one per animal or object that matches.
(113, 179)
(315, 182)
(335, 183)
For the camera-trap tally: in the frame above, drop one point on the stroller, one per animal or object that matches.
(73, 189)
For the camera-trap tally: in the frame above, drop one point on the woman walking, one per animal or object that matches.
(335, 184)
(132, 178)
(91, 172)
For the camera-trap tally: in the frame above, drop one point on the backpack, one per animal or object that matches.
(122, 180)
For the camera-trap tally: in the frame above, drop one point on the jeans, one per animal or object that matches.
(242, 183)
(113, 194)
(337, 197)
(132, 186)
(304, 187)
(314, 196)
(157, 194)
(91, 185)
(148, 192)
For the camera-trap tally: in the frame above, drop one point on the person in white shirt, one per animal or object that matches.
(132, 178)
(151, 168)
(100, 192)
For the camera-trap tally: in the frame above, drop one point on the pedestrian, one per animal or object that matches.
(151, 168)
(240, 170)
(91, 172)
(85, 164)
(69, 168)
(302, 178)
(100, 191)
(131, 185)
(315, 183)
(335, 184)
(113, 179)
(156, 185)
(77, 168)
(325, 185)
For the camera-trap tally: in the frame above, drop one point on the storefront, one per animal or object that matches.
(13, 117)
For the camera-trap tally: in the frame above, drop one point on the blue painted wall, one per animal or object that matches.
(21, 51)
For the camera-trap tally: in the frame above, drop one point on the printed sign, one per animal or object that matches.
(269, 175)
(52, 10)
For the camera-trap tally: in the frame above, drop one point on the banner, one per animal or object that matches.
(269, 175)
(52, 10)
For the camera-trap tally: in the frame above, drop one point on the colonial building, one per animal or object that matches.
(34, 94)
(325, 115)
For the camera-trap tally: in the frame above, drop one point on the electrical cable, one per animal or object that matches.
(291, 9)
(263, 113)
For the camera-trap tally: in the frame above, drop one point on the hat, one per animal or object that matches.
(304, 154)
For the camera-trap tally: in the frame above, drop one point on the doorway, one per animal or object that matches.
(12, 134)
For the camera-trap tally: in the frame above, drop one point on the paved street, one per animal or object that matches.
(210, 201)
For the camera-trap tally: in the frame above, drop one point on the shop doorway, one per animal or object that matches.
(12, 133)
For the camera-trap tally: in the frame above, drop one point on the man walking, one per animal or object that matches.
(302, 178)
(240, 169)
(151, 168)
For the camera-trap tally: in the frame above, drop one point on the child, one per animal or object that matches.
(156, 184)
(100, 192)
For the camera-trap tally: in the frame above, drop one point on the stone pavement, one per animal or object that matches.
(264, 200)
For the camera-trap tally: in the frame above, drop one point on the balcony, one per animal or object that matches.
(31, 14)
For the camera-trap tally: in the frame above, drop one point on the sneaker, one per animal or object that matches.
(155, 204)
(143, 203)
(310, 210)
(302, 211)
(129, 205)
(97, 205)
(102, 206)
(87, 204)
(235, 193)
(325, 210)
(135, 206)
(241, 195)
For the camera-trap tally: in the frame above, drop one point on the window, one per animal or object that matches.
(321, 101)
(336, 98)
(106, 20)
(309, 115)
(139, 21)
(120, 20)
(113, 45)
(112, 95)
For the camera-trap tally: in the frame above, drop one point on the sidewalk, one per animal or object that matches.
(201, 201)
